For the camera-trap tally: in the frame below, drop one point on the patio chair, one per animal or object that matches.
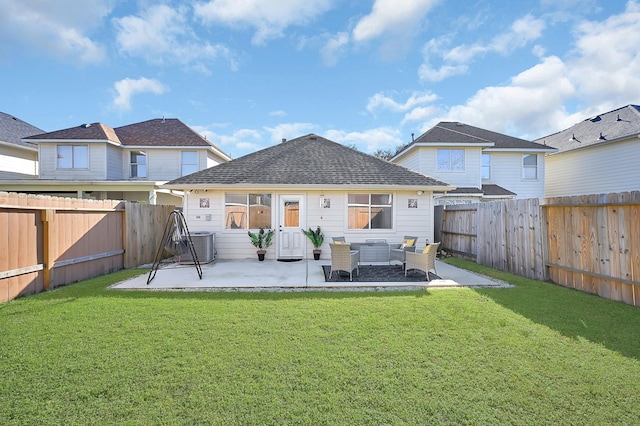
(425, 261)
(398, 251)
(339, 239)
(344, 259)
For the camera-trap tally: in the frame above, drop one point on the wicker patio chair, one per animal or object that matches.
(399, 253)
(424, 262)
(344, 259)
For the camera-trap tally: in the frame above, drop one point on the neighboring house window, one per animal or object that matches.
(370, 211)
(73, 157)
(189, 162)
(138, 164)
(247, 211)
(530, 166)
(486, 166)
(451, 160)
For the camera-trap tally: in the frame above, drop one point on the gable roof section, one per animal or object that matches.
(451, 133)
(160, 132)
(619, 124)
(308, 160)
(13, 130)
(84, 132)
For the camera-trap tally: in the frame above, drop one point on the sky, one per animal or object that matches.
(368, 74)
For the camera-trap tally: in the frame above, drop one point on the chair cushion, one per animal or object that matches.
(426, 249)
(340, 243)
(407, 243)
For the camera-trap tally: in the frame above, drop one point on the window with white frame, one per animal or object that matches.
(486, 166)
(189, 162)
(530, 166)
(138, 164)
(247, 211)
(451, 160)
(73, 157)
(370, 211)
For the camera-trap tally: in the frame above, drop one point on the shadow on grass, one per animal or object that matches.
(572, 313)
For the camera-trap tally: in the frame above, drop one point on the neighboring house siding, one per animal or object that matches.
(469, 177)
(18, 160)
(506, 171)
(97, 163)
(164, 164)
(212, 160)
(595, 170)
(235, 244)
(114, 163)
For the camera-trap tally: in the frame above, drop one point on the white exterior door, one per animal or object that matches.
(291, 222)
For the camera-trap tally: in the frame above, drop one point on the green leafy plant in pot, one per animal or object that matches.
(262, 240)
(317, 238)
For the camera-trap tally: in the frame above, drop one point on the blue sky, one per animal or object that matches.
(247, 73)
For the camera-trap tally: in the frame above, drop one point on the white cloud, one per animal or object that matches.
(368, 141)
(278, 113)
(455, 61)
(333, 48)
(62, 32)
(129, 87)
(392, 16)
(269, 18)
(382, 102)
(602, 73)
(163, 34)
(289, 131)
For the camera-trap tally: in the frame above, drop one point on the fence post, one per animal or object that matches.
(48, 236)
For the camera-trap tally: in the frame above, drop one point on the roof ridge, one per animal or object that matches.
(462, 133)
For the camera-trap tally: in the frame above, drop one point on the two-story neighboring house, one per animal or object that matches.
(596, 156)
(124, 163)
(18, 159)
(482, 164)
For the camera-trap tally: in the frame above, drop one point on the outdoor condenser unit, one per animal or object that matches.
(203, 243)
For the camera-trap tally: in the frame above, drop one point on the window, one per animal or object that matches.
(138, 164)
(73, 157)
(486, 166)
(451, 160)
(189, 162)
(370, 211)
(247, 211)
(530, 166)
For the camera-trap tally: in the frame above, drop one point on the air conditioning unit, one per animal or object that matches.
(203, 243)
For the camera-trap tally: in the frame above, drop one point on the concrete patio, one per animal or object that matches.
(272, 275)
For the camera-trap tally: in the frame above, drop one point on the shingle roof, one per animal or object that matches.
(489, 190)
(307, 160)
(157, 132)
(613, 125)
(160, 132)
(450, 132)
(90, 131)
(12, 130)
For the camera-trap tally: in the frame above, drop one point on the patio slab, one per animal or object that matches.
(272, 275)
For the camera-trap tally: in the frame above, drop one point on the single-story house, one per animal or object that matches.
(304, 183)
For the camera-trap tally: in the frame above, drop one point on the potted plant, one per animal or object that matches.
(316, 238)
(261, 240)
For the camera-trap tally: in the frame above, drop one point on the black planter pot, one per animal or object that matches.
(261, 255)
(316, 254)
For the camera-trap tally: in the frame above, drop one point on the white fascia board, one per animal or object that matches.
(283, 187)
(548, 149)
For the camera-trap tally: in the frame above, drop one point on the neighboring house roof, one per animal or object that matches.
(455, 133)
(309, 160)
(159, 132)
(13, 130)
(619, 124)
(487, 190)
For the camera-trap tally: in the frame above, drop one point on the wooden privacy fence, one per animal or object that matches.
(594, 244)
(590, 243)
(46, 242)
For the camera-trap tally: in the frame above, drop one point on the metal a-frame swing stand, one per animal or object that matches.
(177, 241)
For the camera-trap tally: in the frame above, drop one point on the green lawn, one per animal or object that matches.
(537, 353)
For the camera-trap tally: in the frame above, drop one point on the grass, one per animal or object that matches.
(537, 353)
